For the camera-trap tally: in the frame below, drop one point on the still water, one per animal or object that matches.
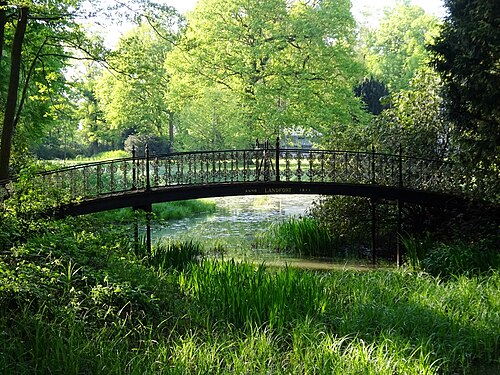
(237, 220)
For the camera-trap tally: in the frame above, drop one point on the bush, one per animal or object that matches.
(347, 217)
(462, 258)
(455, 258)
(157, 145)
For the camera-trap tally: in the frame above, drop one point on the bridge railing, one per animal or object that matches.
(118, 176)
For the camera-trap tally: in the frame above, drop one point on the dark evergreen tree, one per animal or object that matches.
(372, 93)
(467, 56)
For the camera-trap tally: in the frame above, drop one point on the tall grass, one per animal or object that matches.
(167, 254)
(245, 295)
(75, 299)
(303, 236)
(105, 155)
(451, 259)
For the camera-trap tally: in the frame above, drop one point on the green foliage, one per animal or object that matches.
(466, 55)
(167, 254)
(211, 120)
(374, 94)
(161, 211)
(454, 258)
(74, 298)
(396, 50)
(109, 155)
(462, 258)
(156, 145)
(414, 120)
(47, 47)
(294, 69)
(182, 209)
(132, 96)
(303, 236)
(247, 296)
(416, 250)
(347, 218)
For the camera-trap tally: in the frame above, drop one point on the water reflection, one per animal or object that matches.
(237, 220)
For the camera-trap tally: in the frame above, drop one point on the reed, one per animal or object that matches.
(303, 236)
(167, 254)
(245, 295)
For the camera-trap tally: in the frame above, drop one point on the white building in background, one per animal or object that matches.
(297, 139)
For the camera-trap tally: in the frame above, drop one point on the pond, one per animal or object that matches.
(236, 221)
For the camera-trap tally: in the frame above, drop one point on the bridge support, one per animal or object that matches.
(398, 233)
(373, 206)
(148, 209)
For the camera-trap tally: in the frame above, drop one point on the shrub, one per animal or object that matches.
(462, 258)
(157, 145)
(345, 216)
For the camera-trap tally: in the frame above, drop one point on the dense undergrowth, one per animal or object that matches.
(76, 298)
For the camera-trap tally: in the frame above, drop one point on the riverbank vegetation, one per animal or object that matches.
(161, 211)
(76, 297)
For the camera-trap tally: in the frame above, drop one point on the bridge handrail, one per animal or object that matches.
(281, 150)
(94, 179)
(199, 152)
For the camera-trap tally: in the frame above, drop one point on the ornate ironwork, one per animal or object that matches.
(262, 164)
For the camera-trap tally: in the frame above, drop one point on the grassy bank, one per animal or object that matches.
(76, 299)
(162, 211)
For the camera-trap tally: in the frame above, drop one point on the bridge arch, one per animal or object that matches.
(143, 181)
(146, 198)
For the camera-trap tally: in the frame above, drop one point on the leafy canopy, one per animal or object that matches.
(287, 64)
(396, 50)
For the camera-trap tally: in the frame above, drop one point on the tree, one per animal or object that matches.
(414, 120)
(396, 50)
(467, 57)
(94, 130)
(286, 64)
(9, 117)
(45, 36)
(213, 120)
(372, 92)
(132, 93)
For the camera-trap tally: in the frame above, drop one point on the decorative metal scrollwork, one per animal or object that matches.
(260, 165)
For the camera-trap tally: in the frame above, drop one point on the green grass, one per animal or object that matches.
(303, 236)
(75, 298)
(106, 155)
(167, 254)
(162, 211)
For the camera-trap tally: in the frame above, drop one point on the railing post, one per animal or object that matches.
(400, 166)
(398, 233)
(136, 231)
(148, 181)
(149, 214)
(134, 170)
(373, 165)
(277, 159)
(373, 208)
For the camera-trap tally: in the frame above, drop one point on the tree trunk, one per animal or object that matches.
(11, 104)
(3, 21)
